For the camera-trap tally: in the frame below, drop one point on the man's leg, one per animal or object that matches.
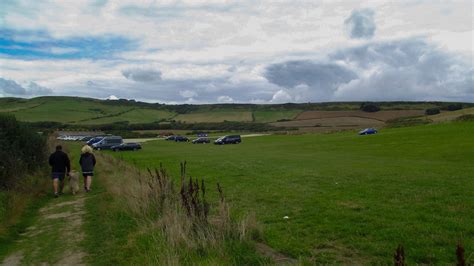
(61, 186)
(55, 186)
(85, 182)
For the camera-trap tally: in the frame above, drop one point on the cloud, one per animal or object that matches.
(35, 89)
(188, 94)
(281, 96)
(10, 87)
(142, 75)
(322, 79)
(251, 53)
(112, 98)
(361, 24)
(409, 69)
(225, 99)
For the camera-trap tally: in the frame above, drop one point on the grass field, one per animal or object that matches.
(215, 116)
(274, 115)
(381, 115)
(62, 109)
(448, 116)
(141, 115)
(349, 198)
(84, 111)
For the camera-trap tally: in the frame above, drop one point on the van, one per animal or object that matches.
(233, 139)
(106, 143)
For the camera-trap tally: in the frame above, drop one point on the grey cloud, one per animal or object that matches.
(142, 75)
(361, 24)
(409, 69)
(10, 87)
(312, 79)
(35, 89)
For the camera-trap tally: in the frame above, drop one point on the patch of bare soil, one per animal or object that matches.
(380, 115)
(278, 258)
(328, 124)
(13, 259)
(63, 219)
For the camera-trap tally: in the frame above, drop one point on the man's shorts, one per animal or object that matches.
(59, 176)
(84, 174)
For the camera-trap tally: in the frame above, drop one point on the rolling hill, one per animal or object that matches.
(310, 116)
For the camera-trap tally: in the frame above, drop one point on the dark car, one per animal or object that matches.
(173, 138)
(107, 142)
(233, 139)
(368, 131)
(201, 140)
(181, 139)
(127, 147)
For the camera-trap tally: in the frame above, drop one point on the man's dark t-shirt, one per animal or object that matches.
(59, 162)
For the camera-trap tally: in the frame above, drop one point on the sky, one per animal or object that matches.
(244, 51)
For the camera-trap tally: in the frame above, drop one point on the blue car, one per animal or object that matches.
(368, 131)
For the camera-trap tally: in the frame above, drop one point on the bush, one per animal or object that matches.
(369, 107)
(453, 107)
(22, 151)
(432, 111)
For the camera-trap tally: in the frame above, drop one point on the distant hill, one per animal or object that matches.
(87, 111)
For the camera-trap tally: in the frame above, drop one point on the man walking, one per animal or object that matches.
(60, 166)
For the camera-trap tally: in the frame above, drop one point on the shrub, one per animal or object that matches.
(453, 107)
(432, 111)
(369, 107)
(23, 151)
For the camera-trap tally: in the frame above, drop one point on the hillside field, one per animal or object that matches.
(349, 198)
(313, 117)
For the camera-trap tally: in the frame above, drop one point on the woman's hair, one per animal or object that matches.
(86, 149)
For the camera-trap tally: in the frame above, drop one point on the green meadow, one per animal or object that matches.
(348, 198)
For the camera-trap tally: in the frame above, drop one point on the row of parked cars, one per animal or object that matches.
(231, 139)
(114, 143)
(105, 142)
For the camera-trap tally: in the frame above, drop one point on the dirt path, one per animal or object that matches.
(54, 238)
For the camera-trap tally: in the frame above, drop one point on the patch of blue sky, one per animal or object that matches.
(40, 45)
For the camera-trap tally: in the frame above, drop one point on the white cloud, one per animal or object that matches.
(225, 99)
(188, 94)
(112, 98)
(281, 96)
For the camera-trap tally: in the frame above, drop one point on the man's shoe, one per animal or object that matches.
(56, 195)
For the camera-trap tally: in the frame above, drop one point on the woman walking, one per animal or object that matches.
(87, 162)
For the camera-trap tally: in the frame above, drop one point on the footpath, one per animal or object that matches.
(55, 236)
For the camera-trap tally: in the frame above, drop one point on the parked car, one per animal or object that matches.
(87, 138)
(233, 139)
(368, 131)
(107, 142)
(202, 135)
(132, 146)
(173, 138)
(201, 140)
(181, 139)
(94, 140)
